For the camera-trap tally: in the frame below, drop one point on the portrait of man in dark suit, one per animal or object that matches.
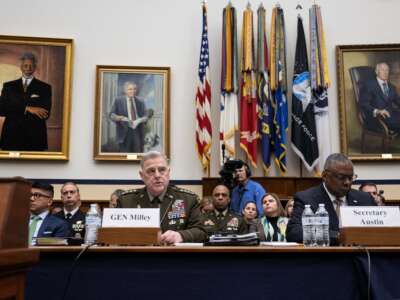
(130, 115)
(26, 105)
(379, 100)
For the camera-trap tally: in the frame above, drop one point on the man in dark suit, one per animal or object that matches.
(334, 192)
(26, 104)
(41, 222)
(71, 211)
(179, 208)
(379, 99)
(129, 114)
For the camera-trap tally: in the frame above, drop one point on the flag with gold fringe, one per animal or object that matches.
(203, 99)
(265, 112)
(248, 101)
(229, 84)
(279, 86)
(319, 84)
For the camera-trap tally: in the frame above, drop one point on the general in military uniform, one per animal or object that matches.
(221, 219)
(179, 208)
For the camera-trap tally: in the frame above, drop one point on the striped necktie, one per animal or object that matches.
(385, 89)
(338, 203)
(32, 227)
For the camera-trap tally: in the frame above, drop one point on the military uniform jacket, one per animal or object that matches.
(231, 223)
(179, 211)
(76, 223)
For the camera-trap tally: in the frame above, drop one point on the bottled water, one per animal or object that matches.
(92, 224)
(322, 226)
(307, 220)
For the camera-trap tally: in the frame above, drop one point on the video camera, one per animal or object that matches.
(227, 172)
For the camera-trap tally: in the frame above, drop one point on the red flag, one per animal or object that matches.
(248, 101)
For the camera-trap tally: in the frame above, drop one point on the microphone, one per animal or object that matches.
(223, 152)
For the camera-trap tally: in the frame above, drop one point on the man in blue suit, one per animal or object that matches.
(334, 192)
(129, 114)
(41, 222)
(379, 99)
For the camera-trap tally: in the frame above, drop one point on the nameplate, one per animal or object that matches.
(370, 216)
(131, 217)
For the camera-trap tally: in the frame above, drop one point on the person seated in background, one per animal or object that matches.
(246, 190)
(41, 222)
(335, 191)
(179, 208)
(114, 197)
(272, 226)
(222, 219)
(71, 211)
(372, 189)
(206, 205)
(250, 216)
(289, 208)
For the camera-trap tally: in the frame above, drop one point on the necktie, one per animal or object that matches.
(385, 89)
(68, 216)
(133, 111)
(25, 85)
(157, 201)
(338, 203)
(32, 227)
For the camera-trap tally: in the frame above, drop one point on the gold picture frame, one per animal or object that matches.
(368, 85)
(125, 129)
(24, 134)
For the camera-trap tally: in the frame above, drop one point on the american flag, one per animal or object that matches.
(203, 100)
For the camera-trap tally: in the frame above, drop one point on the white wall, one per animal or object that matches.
(167, 33)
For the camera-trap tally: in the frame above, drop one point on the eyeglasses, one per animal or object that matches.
(342, 177)
(38, 195)
(152, 171)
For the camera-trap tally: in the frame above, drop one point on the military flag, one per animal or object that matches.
(248, 101)
(229, 84)
(203, 100)
(265, 111)
(278, 83)
(304, 135)
(319, 84)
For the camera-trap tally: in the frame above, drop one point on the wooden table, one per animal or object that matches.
(259, 272)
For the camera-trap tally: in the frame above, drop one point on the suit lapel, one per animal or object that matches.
(351, 201)
(383, 97)
(43, 226)
(166, 206)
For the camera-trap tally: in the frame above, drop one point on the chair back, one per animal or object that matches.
(359, 76)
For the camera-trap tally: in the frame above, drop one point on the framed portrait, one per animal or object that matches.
(369, 101)
(35, 102)
(132, 112)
